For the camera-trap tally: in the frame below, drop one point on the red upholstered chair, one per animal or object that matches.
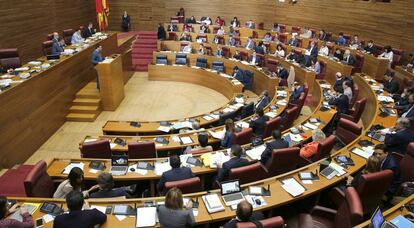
(398, 53)
(328, 36)
(220, 40)
(199, 151)
(245, 55)
(407, 82)
(9, 58)
(406, 164)
(282, 38)
(306, 89)
(267, 45)
(139, 150)
(379, 48)
(271, 64)
(215, 29)
(172, 36)
(96, 149)
(347, 38)
(274, 222)
(298, 51)
(330, 47)
(38, 183)
(349, 214)
(359, 62)
(323, 65)
(355, 114)
(287, 122)
(49, 36)
(248, 173)
(67, 36)
(282, 28)
(255, 35)
(226, 51)
(209, 51)
(237, 41)
(243, 137)
(314, 32)
(324, 148)
(202, 36)
(237, 33)
(296, 29)
(261, 26)
(272, 125)
(47, 47)
(186, 186)
(282, 161)
(355, 94)
(347, 131)
(300, 42)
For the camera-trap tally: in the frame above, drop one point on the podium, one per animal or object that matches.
(111, 82)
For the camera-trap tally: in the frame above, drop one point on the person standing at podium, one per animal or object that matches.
(97, 58)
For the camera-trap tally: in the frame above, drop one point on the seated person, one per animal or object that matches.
(293, 56)
(161, 34)
(237, 55)
(203, 29)
(106, 188)
(322, 35)
(201, 50)
(282, 72)
(305, 61)
(401, 135)
(341, 41)
(348, 59)
(260, 48)
(267, 37)
(254, 59)
(312, 51)
(346, 86)
(276, 28)
(310, 149)
(77, 37)
(192, 20)
(234, 162)
(263, 100)
(228, 138)
(341, 102)
(187, 27)
(324, 50)
(79, 213)
(176, 173)
(185, 37)
(307, 33)
(250, 43)
(73, 183)
(174, 214)
(297, 90)
(388, 54)
(373, 166)
(409, 110)
(244, 213)
(391, 85)
(355, 43)
(338, 55)
(220, 52)
(220, 31)
(370, 48)
(258, 122)
(293, 41)
(340, 81)
(172, 27)
(5, 211)
(58, 47)
(316, 66)
(231, 41)
(187, 49)
(411, 63)
(250, 24)
(238, 73)
(207, 21)
(402, 101)
(235, 22)
(89, 31)
(276, 143)
(219, 21)
(388, 162)
(202, 144)
(280, 52)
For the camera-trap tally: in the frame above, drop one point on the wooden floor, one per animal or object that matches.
(145, 101)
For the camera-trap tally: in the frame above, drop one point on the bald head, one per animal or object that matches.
(244, 211)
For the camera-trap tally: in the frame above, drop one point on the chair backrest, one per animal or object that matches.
(237, 33)
(359, 109)
(162, 59)
(324, 148)
(355, 94)
(186, 186)
(347, 38)
(273, 222)
(347, 131)
(49, 36)
(370, 191)
(406, 164)
(359, 62)
(271, 64)
(398, 53)
(181, 59)
(330, 47)
(172, 36)
(218, 66)
(243, 137)
(248, 173)
(227, 115)
(38, 183)
(314, 31)
(96, 149)
(289, 118)
(202, 36)
(282, 161)
(255, 35)
(323, 65)
(350, 212)
(282, 38)
(47, 47)
(300, 42)
(226, 51)
(67, 36)
(282, 28)
(296, 29)
(244, 55)
(200, 151)
(379, 48)
(261, 25)
(139, 150)
(328, 36)
(272, 125)
(9, 58)
(201, 62)
(247, 110)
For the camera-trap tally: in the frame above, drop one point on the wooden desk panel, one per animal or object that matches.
(376, 67)
(402, 73)
(333, 67)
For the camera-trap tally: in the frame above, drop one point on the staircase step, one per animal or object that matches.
(85, 109)
(81, 117)
(86, 101)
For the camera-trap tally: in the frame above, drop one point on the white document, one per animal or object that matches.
(99, 208)
(326, 86)
(218, 158)
(385, 98)
(339, 169)
(112, 145)
(208, 118)
(217, 134)
(146, 216)
(94, 171)
(225, 110)
(161, 167)
(256, 152)
(282, 102)
(90, 140)
(69, 167)
(271, 114)
(281, 93)
(164, 129)
(243, 124)
(120, 217)
(310, 126)
(307, 181)
(255, 190)
(239, 99)
(186, 140)
(293, 187)
(48, 218)
(213, 203)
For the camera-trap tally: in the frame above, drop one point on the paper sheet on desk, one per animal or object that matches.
(310, 126)
(239, 100)
(217, 134)
(161, 167)
(48, 218)
(112, 145)
(256, 152)
(225, 110)
(99, 208)
(282, 102)
(385, 98)
(69, 167)
(218, 158)
(243, 124)
(186, 140)
(164, 129)
(90, 140)
(363, 152)
(292, 187)
(208, 118)
(146, 216)
(281, 93)
(271, 114)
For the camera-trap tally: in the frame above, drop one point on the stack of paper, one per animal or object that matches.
(282, 102)
(385, 98)
(218, 158)
(208, 118)
(217, 134)
(164, 129)
(146, 216)
(186, 140)
(293, 187)
(271, 114)
(225, 110)
(310, 126)
(161, 167)
(213, 203)
(69, 167)
(364, 152)
(256, 152)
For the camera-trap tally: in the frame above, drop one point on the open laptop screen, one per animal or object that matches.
(119, 160)
(377, 218)
(229, 187)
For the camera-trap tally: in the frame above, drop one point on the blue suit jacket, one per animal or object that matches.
(234, 162)
(227, 141)
(341, 103)
(341, 41)
(260, 50)
(174, 175)
(258, 125)
(399, 141)
(258, 59)
(314, 51)
(262, 102)
(84, 218)
(293, 42)
(270, 146)
(350, 61)
(283, 74)
(96, 57)
(239, 75)
(391, 164)
(297, 92)
(56, 48)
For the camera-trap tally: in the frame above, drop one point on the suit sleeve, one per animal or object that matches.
(222, 173)
(265, 155)
(160, 185)
(99, 217)
(390, 139)
(190, 218)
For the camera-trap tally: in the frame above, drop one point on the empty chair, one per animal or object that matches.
(296, 29)
(272, 125)
(243, 137)
(398, 53)
(201, 62)
(273, 222)
(226, 51)
(67, 36)
(288, 120)
(324, 148)
(359, 62)
(355, 94)
(282, 38)
(247, 110)
(282, 161)
(248, 173)
(9, 59)
(261, 25)
(172, 36)
(300, 41)
(96, 149)
(356, 112)
(406, 164)
(330, 47)
(161, 59)
(245, 55)
(379, 48)
(47, 47)
(349, 214)
(347, 131)
(248, 80)
(139, 150)
(227, 115)
(218, 66)
(38, 183)
(186, 186)
(181, 59)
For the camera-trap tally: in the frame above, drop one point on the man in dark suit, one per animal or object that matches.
(277, 143)
(176, 173)
(391, 85)
(404, 134)
(409, 109)
(313, 50)
(258, 123)
(282, 73)
(254, 59)
(293, 41)
(234, 162)
(341, 102)
(89, 31)
(244, 213)
(259, 48)
(388, 162)
(76, 216)
(340, 81)
(238, 73)
(106, 188)
(298, 89)
(58, 47)
(348, 59)
(264, 100)
(370, 48)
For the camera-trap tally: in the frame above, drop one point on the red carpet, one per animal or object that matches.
(142, 50)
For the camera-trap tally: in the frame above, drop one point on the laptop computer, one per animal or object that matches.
(378, 221)
(119, 165)
(231, 193)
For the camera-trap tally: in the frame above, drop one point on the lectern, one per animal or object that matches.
(111, 82)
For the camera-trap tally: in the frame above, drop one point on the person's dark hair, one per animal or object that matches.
(3, 207)
(341, 33)
(105, 181)
(259, 111)
(202, 139)
(382, 147)
(75, 174)
(388, 48)
(347, 83)
(74, 200)
(236, 150)
(276, 134)
(266, 93)
(236, 68)
(370, 41)
(175, 161)
(275, 25)
(244, 211)
(98, 46)
(260, 43)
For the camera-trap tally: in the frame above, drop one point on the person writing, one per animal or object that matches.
(174, 214)
(12, 223)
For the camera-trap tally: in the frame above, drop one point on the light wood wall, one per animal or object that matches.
(25, 23)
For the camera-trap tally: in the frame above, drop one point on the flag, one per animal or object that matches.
(102, 13)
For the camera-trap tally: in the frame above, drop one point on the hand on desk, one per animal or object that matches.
(14, 208)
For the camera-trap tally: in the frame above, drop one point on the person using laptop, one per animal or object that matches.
(176, 173)
(106, 188)
(78, 217)
(234, 162)
(174, 214)
(5, 211)
(244, 213)
(73, 183)
(277, 143)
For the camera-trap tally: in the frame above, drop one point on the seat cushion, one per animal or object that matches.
(309, 221)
